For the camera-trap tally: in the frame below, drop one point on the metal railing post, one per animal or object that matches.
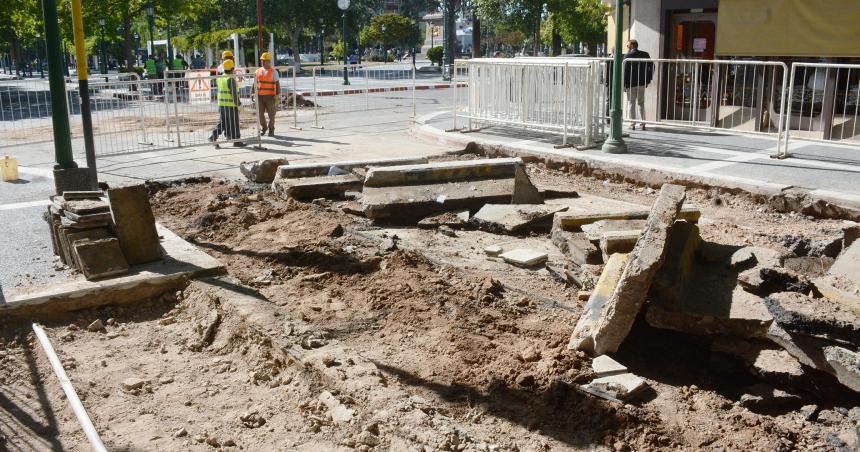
(787, 94)
(142, 115)
(366, 89)
(588, 120)
(176, 114)
(316, 100)
(414, 109)
(564, 86)
(295, 101)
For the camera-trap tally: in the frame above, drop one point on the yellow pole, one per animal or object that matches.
(83, 83)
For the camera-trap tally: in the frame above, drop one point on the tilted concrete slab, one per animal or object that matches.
(515, 218)
(182, 261)
(459, 170)
(594, 231)
(763, 358)
(818, 317)
(573, 221)
(616, 316)
(307, 188)
(261, 171)
(820, 354)
(322, 168)
(600, 296)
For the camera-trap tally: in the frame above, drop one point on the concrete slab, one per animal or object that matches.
(459, 170)
(523, 257)
(818, 317)
(823, 355)
(600, 296)
(515, 218)
(847, 265)
(604, 366)
(842, 291)
(322, 168)
(573, 221)
(261, 171)
(617, 315)
(763, 358)
(456, 220)
(134, 223)
(99, 259)
(493, 250)
(618, 242)
(622, 387)
(308, 188)
(594, 231)
(182, 261)
(577, 247)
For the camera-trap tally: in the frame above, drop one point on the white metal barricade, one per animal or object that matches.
(548, 94)
(823, 104)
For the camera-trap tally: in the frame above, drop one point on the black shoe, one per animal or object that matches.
(271, 132)
(239, 144)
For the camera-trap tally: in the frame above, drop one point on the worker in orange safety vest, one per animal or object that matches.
(268, 88)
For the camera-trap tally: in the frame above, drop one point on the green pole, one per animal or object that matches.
(614, 144)
(59, 113)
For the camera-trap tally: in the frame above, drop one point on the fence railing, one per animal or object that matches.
(823, 104)
(555, 95)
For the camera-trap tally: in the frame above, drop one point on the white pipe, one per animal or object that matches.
(71, 395)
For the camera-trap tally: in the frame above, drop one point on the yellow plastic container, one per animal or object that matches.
(9, 168)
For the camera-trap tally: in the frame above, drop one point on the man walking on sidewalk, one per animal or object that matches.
(268, 86)
(637, 77)
(228, 106)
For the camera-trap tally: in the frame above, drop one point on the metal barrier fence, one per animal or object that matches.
(553, 95)
(823, 104)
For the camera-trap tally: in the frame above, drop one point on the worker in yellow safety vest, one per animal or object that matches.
(268, 87)
(226, 55)
(228, 106)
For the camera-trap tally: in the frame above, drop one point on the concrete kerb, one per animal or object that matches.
(817, 203)
(322, 168)
(442, 172)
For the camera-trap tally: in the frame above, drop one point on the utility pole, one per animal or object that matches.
(344, 5)
(83, 83)
(615, 144)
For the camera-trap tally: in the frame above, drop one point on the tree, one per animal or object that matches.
(580, 21)
(514, 15)
(388, 30)
(434, 54)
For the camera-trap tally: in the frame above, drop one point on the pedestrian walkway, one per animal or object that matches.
(829, 171)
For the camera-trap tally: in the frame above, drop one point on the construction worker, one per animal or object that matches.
(268, 87)
(228, 106)
(226, 55)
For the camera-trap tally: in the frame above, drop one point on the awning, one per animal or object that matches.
(802, 28)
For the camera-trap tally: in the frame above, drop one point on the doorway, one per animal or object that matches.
(686, 84)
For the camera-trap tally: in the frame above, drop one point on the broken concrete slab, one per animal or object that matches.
(577, 247)
(751, 256)
(623, 387)
(809, 266)
(845, 364)
(307, 188)
(603, 291)
(453, 171)
(594, 231)
(850, 233)
(767, 280)
(573, 221)
(604, 331)
(618, 242)
(522, 257)
(89, 194)
(134, 224)
(706, 309)
(763, 359)
(101, 258)
(515, 218)
(85, 206)
(604, 366)
(412, 202)
(818, 317)
(456, 220)
(74, 235)
(261, 171)
(90, 218)
(820, 354)
(182, 261)
(323, 168)
(765, 397)
(840, 290)
(493, 250)
(847, 265)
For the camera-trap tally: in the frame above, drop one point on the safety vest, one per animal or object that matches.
(266, 84)
(177, 64)
(150, 67)
(225, 95)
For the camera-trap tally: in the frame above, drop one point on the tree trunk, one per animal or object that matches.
(476, 36)
(556, 41)
(537, 37)
(295, 32)
(129, 55)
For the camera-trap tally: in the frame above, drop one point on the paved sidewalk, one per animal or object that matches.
(828, 171)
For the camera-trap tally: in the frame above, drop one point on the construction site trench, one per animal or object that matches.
(334, 331)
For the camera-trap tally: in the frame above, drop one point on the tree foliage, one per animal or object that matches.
(388, 30)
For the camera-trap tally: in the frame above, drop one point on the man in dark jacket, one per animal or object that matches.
(637, 77)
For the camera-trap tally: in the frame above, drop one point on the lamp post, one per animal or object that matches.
(382, 49)
(150, 15)
(614, 144)
(102, 44)
(136, 48)
(344, 5)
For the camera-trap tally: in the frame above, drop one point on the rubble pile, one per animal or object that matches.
(103, 237)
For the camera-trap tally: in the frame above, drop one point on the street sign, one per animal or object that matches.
(199, 87)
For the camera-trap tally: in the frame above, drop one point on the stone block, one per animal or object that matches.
(100, 258)
(622, 387)
(455, 220)
(442, 172)
(573, 221)
(600, 295)
(818, 317)
(134, 224)
(324, 168)
(493, 250)
(515, 218)
(604, 366)
(577, 247)
(595, 231)
(85, 206)
(74, 236)
(86, 194)
(751, 256)
(308, 188)
(617, 315)
(612, 242)
(845, 364)
(523, 257)
(261, 171)
(75, 179)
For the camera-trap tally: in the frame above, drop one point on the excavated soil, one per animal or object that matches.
(458, 361)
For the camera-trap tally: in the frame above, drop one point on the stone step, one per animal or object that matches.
(307, 188)
(573, 221)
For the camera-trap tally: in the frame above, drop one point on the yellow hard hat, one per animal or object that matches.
(226, 54)
(228, 65)
(266, 56)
